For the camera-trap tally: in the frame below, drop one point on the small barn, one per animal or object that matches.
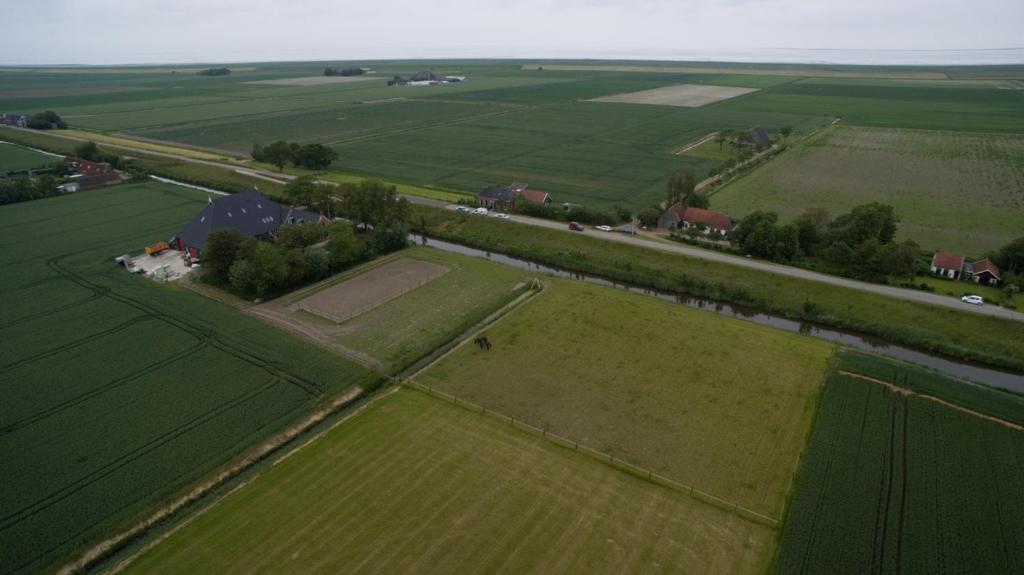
(948, 265)
(249, 212)
(985, 272)
(497, 197)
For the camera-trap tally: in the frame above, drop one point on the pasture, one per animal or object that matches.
(899, 483)
(120, 392)
(954, 191)
(682, 95)
(15, 158)
(398, 327)
(414, 484)
(719, 404)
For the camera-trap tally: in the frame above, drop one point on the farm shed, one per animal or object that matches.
(985, 272)
(249, 212)
(536, 196)
(497, 197)
(948, 265)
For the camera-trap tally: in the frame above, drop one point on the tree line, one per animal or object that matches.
(281, 153)
(377, 223)
(344, 71)
(214, 72)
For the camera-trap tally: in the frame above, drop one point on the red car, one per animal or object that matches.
(575, 226)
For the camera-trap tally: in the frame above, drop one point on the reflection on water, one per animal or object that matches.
(956, 368)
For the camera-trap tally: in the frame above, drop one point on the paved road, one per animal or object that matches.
(681, 249)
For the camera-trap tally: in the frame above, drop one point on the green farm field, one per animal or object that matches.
(401, 331)
(954, 191)
(119, 392)
(898, 483)
(15, 158)
(414, 484)
(719, 404)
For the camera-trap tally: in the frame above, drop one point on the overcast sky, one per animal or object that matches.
(146, 31)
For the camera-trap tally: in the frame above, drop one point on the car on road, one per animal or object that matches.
(973, 299)
(603, 228)
(461, 209)
(480, 212)
(502, 216)
(575, 226)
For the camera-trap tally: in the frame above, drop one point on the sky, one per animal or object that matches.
(181, 31)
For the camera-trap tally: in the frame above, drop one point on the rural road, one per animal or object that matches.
(680, 249)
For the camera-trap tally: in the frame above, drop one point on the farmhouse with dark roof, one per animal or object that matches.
(250, 212)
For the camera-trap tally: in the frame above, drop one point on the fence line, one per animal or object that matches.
(606, 458)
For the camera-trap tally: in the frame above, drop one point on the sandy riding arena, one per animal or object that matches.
(683, 95)
(371, 289)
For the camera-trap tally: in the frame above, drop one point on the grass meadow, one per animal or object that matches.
(895, 483)
(954, 191)
(414, 484)
(719, 404)
(401, 331)
(15, 158)
(119, 392)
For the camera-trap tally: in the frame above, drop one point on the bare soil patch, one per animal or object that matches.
(313, 80)
(682, 95)
(798, 72)
(370, 289)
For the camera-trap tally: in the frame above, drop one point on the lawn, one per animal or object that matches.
(954, 191)
(414, 484)
(952, 332)
(15, 158)
(895, 483)
(719, 404)
(118, 391)
(402, 330)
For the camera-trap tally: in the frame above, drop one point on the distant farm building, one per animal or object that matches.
(249, 212)
(709, 221)
(507, 197)
(89, 175)
(16, 120)
(955, 266)
(425, 78)
(756, 138)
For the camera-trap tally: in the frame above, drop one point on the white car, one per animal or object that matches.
(461, 209)
(973, 299)
(480, 212)
(603, 228)
(502, 216)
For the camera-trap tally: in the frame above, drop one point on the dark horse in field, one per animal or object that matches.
(483, 343)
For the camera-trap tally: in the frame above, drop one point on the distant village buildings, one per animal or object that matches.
(956, 267)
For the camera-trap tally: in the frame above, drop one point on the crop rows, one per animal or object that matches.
(895, 483)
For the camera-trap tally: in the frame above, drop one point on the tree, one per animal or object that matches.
(688, 185)
(87, 151)
(46, 120)
(315, 156)
(812, 225)
(242, 277)
(318, 262)
(753, 221)
(873, 220)
(257, 152)
(219, 255)
(374, 204)
(786, 131)
(649, 217)
(300, 235)
(697, 200)
(270, 269)
(342, 246)
(673, 190)
(899, 260)
(298, 269)
(278, 154)
(1010, 258)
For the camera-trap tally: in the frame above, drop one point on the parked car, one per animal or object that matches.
(501, 216)
(480, 212)
(973, 299)
(603, 228)
(575, 226)
(461, 209)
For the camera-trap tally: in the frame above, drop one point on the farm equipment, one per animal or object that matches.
(157, 248)
(126, 262)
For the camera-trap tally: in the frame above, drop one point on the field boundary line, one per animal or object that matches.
(606, 458)
(910, 392)
(692, 145)
(245, 461)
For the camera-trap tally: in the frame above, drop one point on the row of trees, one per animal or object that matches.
(576, 213)
(25, 189)
(859, 243)
(214, 72)
(344, 71)
(46, 121)
(298, 254)
(281, 153)
(682, 188)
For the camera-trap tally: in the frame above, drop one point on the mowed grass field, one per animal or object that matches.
(718, 404)
(15, 158)
(954, 191)
(895, 483)
(414, 484)
(119, 392)
(398, 332)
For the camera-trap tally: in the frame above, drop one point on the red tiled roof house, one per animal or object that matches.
(948, 265)
(711, 222)
(985, 272)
